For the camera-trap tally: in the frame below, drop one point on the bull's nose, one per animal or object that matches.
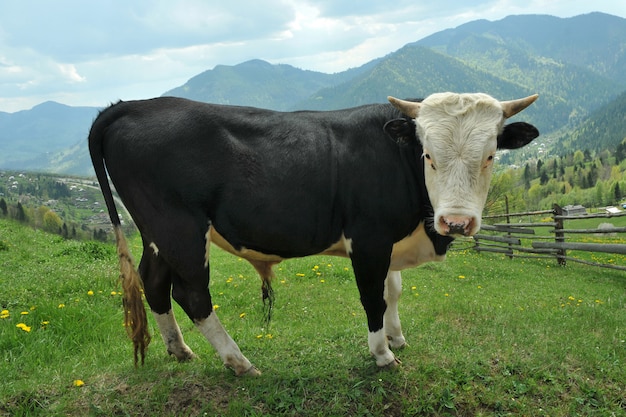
(456, 225)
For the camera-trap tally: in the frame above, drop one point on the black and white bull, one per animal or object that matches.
(388, 185)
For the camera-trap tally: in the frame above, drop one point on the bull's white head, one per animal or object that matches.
(460, 134)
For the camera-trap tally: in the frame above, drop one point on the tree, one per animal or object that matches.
(618, 192)
(3, 207)
(52, 222)
(20, 214)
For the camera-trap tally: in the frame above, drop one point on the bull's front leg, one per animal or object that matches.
(393, 328)
(370, 269)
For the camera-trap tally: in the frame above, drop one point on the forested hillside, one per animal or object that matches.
(602, 130)
(576, 177)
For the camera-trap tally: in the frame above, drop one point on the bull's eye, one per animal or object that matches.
(489, 161)
(430, 161)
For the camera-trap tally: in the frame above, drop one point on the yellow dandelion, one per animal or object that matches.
(23, 313)
(322, 281)
(79, 383)
(45, 323)
(23, 327)
(242, 315)
(113, 293)
(461, 276)
(4, 314)
(316, 267)
(90, 293)
(269, 336)
(259, 336)
(447, 295)
(299, 274)
(215, 307)
(413, 288)
(61, 305)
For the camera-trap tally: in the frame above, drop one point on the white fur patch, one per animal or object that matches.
(155, 248)
(225, 346)
(172, 336)
(393, 328)
(379, 348)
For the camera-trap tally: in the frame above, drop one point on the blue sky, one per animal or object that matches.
(85, 53)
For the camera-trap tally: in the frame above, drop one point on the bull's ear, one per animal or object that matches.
(516, 135)
(402, 131)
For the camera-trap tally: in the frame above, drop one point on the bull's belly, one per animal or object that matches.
(413, 250)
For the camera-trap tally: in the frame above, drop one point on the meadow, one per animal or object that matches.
(487, 336)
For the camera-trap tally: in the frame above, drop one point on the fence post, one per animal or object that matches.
(508, 221)
(559, 236)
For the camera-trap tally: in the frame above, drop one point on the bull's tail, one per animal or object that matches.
(135, 319)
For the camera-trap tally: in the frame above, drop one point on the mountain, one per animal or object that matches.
(575, 64)
(259, 84)
(29, 138)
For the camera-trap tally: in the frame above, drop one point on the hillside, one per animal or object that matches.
(604, 129)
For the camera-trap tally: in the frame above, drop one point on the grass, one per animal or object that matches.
(487, 336)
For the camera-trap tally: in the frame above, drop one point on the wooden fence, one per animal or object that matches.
(519, 239)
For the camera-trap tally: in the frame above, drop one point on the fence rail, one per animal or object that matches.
(521, 239)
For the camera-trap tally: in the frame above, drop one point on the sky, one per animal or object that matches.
(88, 53)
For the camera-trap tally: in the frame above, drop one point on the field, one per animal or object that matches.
(487, 336)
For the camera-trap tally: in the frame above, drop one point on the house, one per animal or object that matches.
(574, 210)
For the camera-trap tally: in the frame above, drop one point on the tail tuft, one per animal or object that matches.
(135, 319)
(268, 300)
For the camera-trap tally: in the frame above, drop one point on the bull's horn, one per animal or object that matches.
(409, 108)
(512, 107)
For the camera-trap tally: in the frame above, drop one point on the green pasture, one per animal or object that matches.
(488, 336)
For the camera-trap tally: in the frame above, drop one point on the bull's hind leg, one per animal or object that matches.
(157, 277)
(393, 328)
(183, 246)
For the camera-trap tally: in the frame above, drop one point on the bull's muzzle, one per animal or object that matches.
(456, 225)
